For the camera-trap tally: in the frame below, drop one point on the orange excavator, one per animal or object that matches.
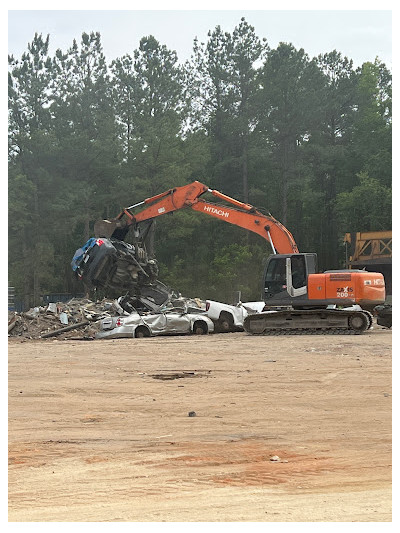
(297, 298)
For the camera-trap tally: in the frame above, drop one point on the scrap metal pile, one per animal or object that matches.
(77, 318)
(81, 318)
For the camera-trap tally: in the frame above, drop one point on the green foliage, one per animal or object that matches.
(367, 207)
(290, 99)
(233, 268)
(308, 139)
(20, 193)
(148, 96)
(236, 268)
(223, 87)
(372, 125)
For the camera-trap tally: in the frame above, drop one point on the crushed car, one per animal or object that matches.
(147, 324)
(114, 265)
(228, 318)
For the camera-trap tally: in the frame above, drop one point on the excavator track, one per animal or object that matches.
(309, 322)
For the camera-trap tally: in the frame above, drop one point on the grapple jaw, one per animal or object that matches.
(115, 228)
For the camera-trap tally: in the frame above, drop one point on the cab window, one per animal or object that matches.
(298, 271)
(276, 271)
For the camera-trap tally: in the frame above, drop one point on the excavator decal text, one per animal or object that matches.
(344, 292)
(216, 211)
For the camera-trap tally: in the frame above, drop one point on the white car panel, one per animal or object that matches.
(167, 323)
(217, 311)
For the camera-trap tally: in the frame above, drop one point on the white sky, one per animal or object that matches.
(360, 34)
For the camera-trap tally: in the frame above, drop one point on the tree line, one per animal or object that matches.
(306, 139)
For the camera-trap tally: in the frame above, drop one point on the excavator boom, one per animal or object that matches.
(188, 196)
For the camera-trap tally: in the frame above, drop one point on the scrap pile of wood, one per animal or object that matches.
(78, 318)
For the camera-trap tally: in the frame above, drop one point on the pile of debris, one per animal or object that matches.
(79, 318)
(76, 319)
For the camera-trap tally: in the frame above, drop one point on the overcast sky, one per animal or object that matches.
(359, 34)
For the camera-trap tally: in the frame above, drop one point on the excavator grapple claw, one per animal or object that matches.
(105, 228)
(114, 228)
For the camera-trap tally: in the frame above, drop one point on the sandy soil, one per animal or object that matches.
(100, 430)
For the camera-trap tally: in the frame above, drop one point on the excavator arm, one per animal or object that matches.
(188, 196)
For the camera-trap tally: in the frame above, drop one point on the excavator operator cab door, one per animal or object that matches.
(275, 276)
(285, 277)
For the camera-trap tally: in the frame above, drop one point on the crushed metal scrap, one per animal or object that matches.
(77, 317)
(81, 318)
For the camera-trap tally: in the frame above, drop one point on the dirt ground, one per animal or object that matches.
(281, 429)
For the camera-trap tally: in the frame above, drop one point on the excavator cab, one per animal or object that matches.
(285, 277)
